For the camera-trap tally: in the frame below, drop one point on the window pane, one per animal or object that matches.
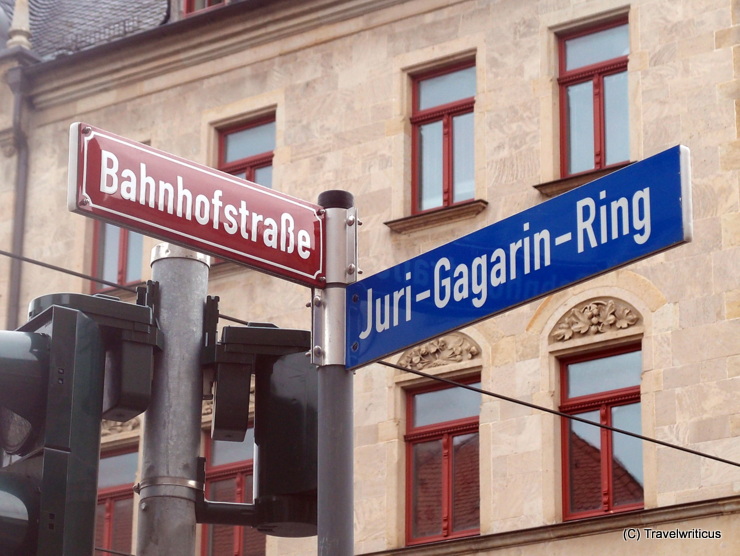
(447, 88)
(580, 127)
(604, 374)
(223, 490)
(201, 4)
(108, 267)
(463, 164)
(263, 176)
(221, 537)
(253, 542)
(465, 482)
(597, 47)
(616, 118)
(122, 524)
(627, 475)
(426, 493)
(430, 166)
(100, 525)
(445, 405)
(231, 452)
(117, 470)
(220, 540)
(584, 459)
(134, 256)
(249, 142)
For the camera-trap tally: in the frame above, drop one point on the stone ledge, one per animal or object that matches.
(445, 215)
(616, 523)
(556, 187)
(216, 36)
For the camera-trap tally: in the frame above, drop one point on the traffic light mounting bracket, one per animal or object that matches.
(229, 364)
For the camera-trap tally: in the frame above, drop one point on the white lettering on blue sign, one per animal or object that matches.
(620, 218)
(598, 220)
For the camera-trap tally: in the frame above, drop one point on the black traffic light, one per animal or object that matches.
(52, 404)
(60, 374)
(285, 427)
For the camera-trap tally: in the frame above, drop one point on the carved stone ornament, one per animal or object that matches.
(595, 316)
(446, 350)
(7, 142)
(109, 428)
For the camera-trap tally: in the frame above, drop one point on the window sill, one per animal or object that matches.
(556, 187)
(445, 215)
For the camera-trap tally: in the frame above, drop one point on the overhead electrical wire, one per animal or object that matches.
(416, 372)
(66, 271)
(557, 413)
(92, 278)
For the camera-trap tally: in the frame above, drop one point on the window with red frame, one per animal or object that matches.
(442, 457)
(197, 5)
(602, 469)
(229, 467)
(118, 255)
(442, 138)
(114, 516)
(246, 150)
(594, 98)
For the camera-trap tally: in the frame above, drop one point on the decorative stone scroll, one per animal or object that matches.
(595, 316)
(445, 350)
(109, 428)
(7, 142)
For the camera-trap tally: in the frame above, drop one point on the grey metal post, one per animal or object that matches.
(335, 418)
(171, 440)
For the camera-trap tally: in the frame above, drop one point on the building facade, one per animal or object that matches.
(441, 117)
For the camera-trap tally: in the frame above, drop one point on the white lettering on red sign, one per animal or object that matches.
(137, 186)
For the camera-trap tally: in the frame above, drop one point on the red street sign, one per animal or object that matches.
(136, 186)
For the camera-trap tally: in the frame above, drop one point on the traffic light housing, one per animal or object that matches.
(285, 427)
(60, 374)
(286, 444)
(49, 494)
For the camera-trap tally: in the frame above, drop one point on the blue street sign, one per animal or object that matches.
(613, 221)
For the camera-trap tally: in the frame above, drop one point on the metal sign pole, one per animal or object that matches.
(335, 418)
(171, 440)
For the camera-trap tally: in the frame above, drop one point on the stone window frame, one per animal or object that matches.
(604, 401)
(443, 114)
(444, 431)
(594, 320)
(455, 356)
(416, 62)
(594, 73)
(259, 109)
(552, 26)
(250, 164)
